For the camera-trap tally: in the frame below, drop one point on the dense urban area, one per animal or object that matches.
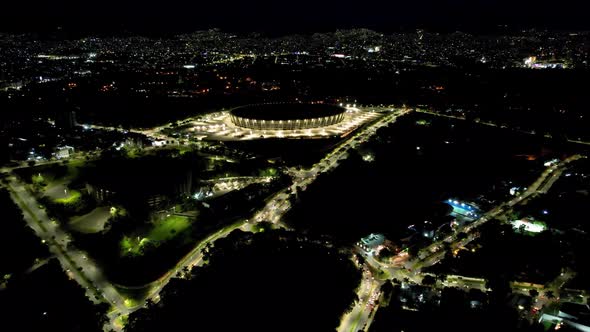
(351, 181)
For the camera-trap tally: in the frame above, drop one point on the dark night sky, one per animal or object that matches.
(278, 16)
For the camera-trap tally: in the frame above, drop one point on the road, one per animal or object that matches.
(78, 265)
(24, 164)
(491, 124)
(90, 276)
(363, 311)
(278, 204)
(221, 186)
(541, 185)
(84, 270)
(152, 133)
(360, 317)
(433, 253)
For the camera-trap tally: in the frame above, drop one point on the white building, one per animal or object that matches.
(63, 152)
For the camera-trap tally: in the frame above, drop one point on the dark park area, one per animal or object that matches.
(452, 159)
(46, 299)
(21, 249)
(262, 281)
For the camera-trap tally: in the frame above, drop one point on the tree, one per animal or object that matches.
(428, 280)
(549, 294)
(361, 259)
(149, 303)
(413, 251)
(205, 253)
(448, 255)
(446, 246)
(513, 215)
(386, 253)
(533, 293)
(500, 287)
(386, 290)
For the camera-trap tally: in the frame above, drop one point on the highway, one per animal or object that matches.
(75, 262)
(364, 309)
(222, 186)
(278, 204)
(79, 266)
(368, 295)
(491, 124)
(90, 276)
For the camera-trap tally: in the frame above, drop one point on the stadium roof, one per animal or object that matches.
(287, 111)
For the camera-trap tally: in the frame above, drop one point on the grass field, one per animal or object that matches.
(72, 198)
(163, 231)
(168, 228)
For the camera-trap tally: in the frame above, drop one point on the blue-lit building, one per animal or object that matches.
(463, 210)
(372, 242)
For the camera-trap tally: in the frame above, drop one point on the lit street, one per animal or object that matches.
(237, 166)
(84, 270)
(277, 205)
(432, 254)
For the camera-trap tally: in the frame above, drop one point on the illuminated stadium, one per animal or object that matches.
(286, 116)
(286, 120)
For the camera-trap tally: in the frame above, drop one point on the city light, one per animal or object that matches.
(195, 142)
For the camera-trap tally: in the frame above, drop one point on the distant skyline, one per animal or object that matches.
(282, 17)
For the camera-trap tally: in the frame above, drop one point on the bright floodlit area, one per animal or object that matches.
(218, 126)
(384, 167)
(162, 231)
(533, 227)
(91, 222)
